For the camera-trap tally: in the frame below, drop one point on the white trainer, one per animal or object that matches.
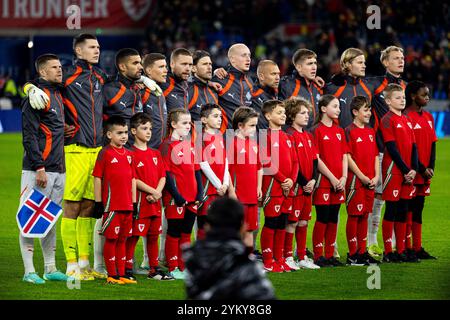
(291, 263)
(307, 263)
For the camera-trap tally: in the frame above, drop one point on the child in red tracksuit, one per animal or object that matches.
(183, 189)
(280, 171)
(214, 163)
(297, 114)
(363, 176)
(329, 139)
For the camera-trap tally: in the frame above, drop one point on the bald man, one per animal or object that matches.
(266, 89)
(236, 86)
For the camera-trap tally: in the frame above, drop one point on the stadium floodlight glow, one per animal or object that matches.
(30, 44)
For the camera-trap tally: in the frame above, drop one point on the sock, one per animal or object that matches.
(84, 236)
(318, 237)
(185, 240)
(417, 235)
(300, 239)
(362, 233)
(387, 229)
(69, 238)
(267, 240)
(330, 239)
(352, 231)
(121, 255)
(72, 267)
(408, 237)
(27, 250)
(130, 248)
(109, 255)
(374, 221)
(278, 245)
(162, 239)
(171, 252)
(48, 245)
(99, 241)
(152, 250)
(400, 232)
(289, 236)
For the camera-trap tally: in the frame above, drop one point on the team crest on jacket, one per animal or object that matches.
(338, 135)
(277, 208)
(141, 227)
(155, 161)
(136, 10)
(129, 159)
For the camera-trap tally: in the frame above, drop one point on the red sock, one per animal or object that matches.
(288, 244)
(171, 251)
(278, 244)
(185, 240)
(129, 249)
(387, 229)
(152, 250)
(109, 255)
(121, 255)
(417, 235)
(400, 234)
(351, 230)
(408, 237)
(330, 239)
(267, 239)
(318, 237)
(300, 238)
(362, 233)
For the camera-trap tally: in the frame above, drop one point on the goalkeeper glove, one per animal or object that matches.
(38, 98)
(151, 84)
(99, 209)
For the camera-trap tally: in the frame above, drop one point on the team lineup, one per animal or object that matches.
(146, 153)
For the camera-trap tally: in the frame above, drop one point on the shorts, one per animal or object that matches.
(276, 206)
(251, 216)
(359, 201)
(422, 190)
(394, 189)
(147, 226)
(117, 224)
(173, 212)
(301, 208)
(80, 162)
(205, 205)
(379, 186)
(327, 196)
(54, 189)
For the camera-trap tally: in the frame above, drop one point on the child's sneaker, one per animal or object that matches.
(322, 262)
(307, 263)
(114, 280)
(158, 274)
(177, 274)
(423, 255)
(291, 263)
(128, 279)
(375, 250)
(354, 260)
(57, 276)
(33, 277)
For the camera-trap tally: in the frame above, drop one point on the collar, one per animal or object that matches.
(125, 81)
(199, 82)
(83, 64)
(49, 85)
(231, 69)
(174, 77)
(352, 80)
(303, 80)
(269, 90)
(392, 78)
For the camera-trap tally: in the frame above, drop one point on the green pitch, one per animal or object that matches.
(424, 280)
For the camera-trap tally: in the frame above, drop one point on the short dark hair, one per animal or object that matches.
(139, 118)
(302, 54)
(225, 213)
(43, 59)
(269, 105)
(242, 115)
(357, 103)
(123, 54)
(151, 58)
(207, 108)
(179, 52)
(82, 37)
(198, 55)
(114, 121)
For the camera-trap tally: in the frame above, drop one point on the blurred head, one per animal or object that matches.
(155, 67)
(202, 65)
(328, 107)
(298, 111)
(116, 131)
(353, 62)
(49, 68)
(244, 121)
(179, 122)
(360, 109)
(274, 112)
(393, 60)
(86, 47)
(394, 97)
(225, 213)
(418, 93)
(181, 63)
(128, 63)
(305, 62)
(240, 57)
(268, 74)
(141, 126)
(211, 116)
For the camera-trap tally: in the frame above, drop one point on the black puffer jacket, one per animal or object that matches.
(218, 268)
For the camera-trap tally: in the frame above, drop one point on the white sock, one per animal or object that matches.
(145, 255)
(84, 264)
(374, 222)
(162, 238)
(99, 242)
(48, 245)
(27, 250)
(72, 266)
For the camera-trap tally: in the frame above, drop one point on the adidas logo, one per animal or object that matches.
(326, 138)
(130, 261)
(112, 259)
(140, 164)
(300, 145)
(359, 139)
(213, 147)
(399, 126)
(427, 191)
(114, 160)
(341, 198)
(417, 126)
(388, 240)
(180, 153)
(320, 245)
(353, 239)
(267, 250)
(174, 258)
(242, 150)
(275, 145)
